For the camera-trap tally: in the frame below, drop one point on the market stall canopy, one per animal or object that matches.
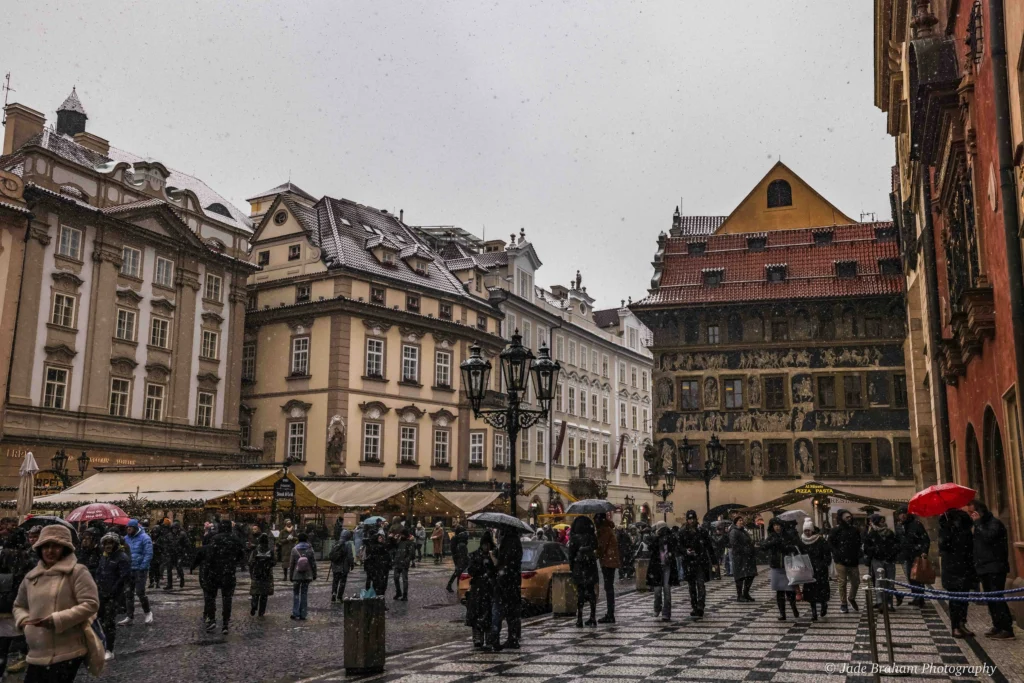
(358, 494)
(177, 485)
(815, 489)
(471, 501)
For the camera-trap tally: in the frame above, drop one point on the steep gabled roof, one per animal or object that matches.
(283, 188)
(72, 103)
(608, 317)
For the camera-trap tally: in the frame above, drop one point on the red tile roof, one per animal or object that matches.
(810, 268)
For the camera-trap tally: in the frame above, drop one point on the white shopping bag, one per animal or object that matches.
(799, 570)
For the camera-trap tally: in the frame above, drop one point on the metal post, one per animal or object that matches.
(872, 636)
(885, 615)
(513, 433)
(707, 494)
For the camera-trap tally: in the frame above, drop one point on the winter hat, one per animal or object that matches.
(133, 524)
(112, 537)
(55, 533)
(691, 514)
(808, 525)
(877, 520)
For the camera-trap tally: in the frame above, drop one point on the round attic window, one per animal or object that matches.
(583, 309)
(280, 217)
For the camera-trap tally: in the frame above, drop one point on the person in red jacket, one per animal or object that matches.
(608, 556)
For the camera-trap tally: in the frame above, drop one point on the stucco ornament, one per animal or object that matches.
(804, 460)
(665, 393)
(754, 390)
(710, 392)
(756, 461)
(335, 438)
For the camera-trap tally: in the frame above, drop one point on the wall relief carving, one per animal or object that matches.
(711, 392)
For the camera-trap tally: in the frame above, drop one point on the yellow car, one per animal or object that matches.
(541, 559)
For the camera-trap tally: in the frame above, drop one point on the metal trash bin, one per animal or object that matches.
(563, 594)
(364, 635)
(641, 574)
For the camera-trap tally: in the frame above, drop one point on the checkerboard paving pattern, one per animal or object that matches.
(734, 642)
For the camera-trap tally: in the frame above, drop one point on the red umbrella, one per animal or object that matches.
(935, 500)
(104, 512)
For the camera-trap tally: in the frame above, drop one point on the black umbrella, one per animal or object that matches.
(46, 520)
(590, 506)
(499, 520)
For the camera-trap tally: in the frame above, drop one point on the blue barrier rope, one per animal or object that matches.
(955, 598)
(942, 592)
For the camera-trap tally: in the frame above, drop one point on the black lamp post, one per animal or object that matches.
(711, 468)
(517, 364)
(652, 479)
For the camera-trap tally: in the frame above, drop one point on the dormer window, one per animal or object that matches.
(889, 266)
(377, 295)
(846, 269)
(886, 234)
(445, 311)
(780, 194)
(421, 267)
(776, 272)
(696, 248)
(387, 257)
(302, 293)
(823, 238)
(412, 303)
(713, 276)
(757, 243)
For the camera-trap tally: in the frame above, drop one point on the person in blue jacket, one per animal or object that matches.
(141, 547)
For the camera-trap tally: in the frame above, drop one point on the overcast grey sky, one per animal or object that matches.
(582, 122)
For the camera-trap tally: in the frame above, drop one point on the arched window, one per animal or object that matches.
(779, 194)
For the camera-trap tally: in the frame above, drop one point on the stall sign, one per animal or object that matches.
(664, 506)
(812, 488)
(284, 489)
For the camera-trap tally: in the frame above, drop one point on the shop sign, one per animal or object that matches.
(663, 506)
(47, 482)
(813, 488)
(284, 489)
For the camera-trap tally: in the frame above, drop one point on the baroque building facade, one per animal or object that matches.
(354, 334)
(129, 305)
(779, 329)
(604, 394)
(948, 76)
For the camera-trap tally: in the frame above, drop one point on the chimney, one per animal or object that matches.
(22, 123)
(71, 116)
(93, 142)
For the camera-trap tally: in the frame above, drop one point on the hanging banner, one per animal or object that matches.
(556, 456)
(618, 457)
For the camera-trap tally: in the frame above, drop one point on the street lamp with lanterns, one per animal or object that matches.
(59, 465)
(517, 365)
(711, 467)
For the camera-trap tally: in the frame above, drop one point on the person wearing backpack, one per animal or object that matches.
(303, 572)
(583, 565)
(217, 561)
(261, 571)
(342, 560)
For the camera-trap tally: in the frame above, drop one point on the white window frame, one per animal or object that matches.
(61, 381)
(206, 403)
(622, 415)
(644, 383)
(249, 360)
(593, 406)
(374, 357)
(210, 342)
(410, 363)
(442, 447)
(572, 400)
(131, 262)
(214, 286)
(500, 449)
(443, 369)
(296, 446)
(124, 328)
(372, 433)
(63, 311)
(120, 396)
(570, 459)
(633, 376)
(163, 272)
(583, 403)
(407, 437)
(542, 439)
(163, 336)
(69, 242)
(634, 417)
(572, 352)
(605, 411)
(524, 445)
(300, 356)
(155, 394)
(477, 448)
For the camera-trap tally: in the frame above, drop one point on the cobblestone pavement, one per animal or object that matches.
(734, 642)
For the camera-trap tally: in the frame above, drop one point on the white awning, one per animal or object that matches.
(358, 493)
(172, 485)
(470, 501)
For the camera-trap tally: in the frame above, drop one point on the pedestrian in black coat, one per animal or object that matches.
(218, 561)
(817, 548)
(460, 554)
(697, 551)
(663, 572)
(956, 549)
(506, 604)
(781, 541)
(744, 559)
(583, 565)
(377, 563)
(481, 589)
(845, 541)
(991, 563)
(913, 543)
(89, 552)
(626, 553)
(112, 575)
(881, 549)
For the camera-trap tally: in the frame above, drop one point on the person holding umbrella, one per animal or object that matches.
(481, 589)
(507, 601)
(608, 554)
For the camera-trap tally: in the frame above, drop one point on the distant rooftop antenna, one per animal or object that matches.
(867, 214)
(7, 89)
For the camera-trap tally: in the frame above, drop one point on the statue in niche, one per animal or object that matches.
(803, 457)
(335, 439)
(710, 392)
(754, 390)
(756, 466)
(664, 393)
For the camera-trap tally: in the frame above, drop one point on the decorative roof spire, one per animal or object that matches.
(72, 103)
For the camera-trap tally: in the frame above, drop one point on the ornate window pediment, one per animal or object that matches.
(410, 413)
(443, 417)
(60, 353)
(163, 304)
(374, 409)
(68, 279)
(158, 371)
(129, 295)
(412, 334)
(296, 409)
(123, 365)
(211, 317)
(208, 380)
(300, 325)
(376, 327)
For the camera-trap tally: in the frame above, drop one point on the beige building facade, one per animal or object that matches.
(132, 302)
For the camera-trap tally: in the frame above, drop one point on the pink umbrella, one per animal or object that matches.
(104, 512)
